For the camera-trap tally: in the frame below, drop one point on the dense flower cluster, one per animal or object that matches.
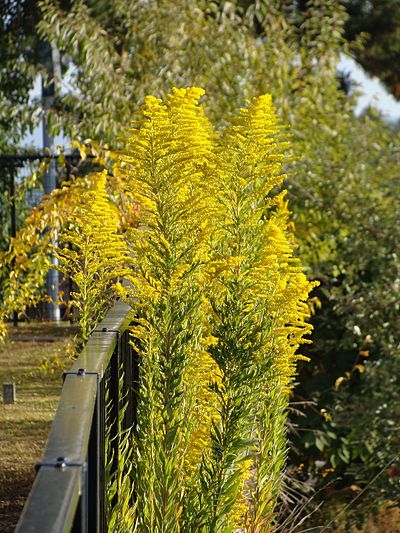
(222, 311)
(94, 255)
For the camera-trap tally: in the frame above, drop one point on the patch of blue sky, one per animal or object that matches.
(371, 91)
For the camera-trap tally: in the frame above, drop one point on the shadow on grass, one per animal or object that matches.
(15, 484)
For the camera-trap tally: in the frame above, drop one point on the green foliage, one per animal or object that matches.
(18, 67)
(120, 507)
(378, 22)
(124, 48)
(152, 45)
(345, 219)
(343, 177)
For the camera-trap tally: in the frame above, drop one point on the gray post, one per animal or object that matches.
(13, 226)
(50, 179)
(9, 393)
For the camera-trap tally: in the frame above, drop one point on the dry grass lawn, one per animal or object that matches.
(34, 359)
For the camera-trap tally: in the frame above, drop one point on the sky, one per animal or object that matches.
(35, 139)
(372, 92)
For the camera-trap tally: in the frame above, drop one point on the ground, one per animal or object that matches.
(34, 359)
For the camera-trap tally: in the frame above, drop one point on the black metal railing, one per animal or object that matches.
(69, 491)
(11, 164)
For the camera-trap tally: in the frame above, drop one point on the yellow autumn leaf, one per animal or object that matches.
(360, 368)
(339, 381)
(81, 148)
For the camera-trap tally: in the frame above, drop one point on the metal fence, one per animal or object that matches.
(69, 492)
(12, 164)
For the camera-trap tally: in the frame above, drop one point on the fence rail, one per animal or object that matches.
(69, 491)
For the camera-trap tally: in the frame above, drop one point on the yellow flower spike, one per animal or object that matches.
(258, 312)
(101, 257)
(30, 250)
(167, 167)
(201, 373)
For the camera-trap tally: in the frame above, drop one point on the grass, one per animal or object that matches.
(34, 359)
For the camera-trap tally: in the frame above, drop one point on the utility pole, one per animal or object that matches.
(13, 217)
(51, 59)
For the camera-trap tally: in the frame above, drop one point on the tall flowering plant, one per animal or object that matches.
(221, 306)
(94, 255)
(258, 319)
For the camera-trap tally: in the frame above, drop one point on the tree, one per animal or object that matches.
(379, 22)
(21, 61)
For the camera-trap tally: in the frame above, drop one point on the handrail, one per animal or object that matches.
(69, 491)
